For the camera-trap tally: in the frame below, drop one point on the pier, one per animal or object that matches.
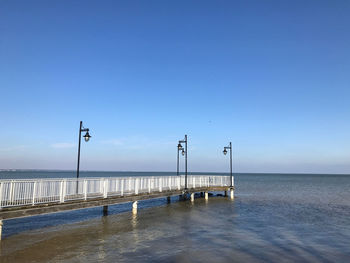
(22, 198)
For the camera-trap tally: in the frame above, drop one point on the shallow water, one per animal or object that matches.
(274, 218)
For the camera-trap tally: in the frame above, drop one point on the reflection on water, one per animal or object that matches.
(273, 218)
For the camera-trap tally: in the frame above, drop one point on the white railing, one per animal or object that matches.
(39, 191)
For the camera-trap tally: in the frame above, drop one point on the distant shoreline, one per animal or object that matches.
(195, 172)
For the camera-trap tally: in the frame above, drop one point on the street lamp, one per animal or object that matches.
(184, 153)
(179, 148)
(225, 152)
(86, 138)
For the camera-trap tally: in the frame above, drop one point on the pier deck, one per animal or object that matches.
(30, 210)
(22, 198)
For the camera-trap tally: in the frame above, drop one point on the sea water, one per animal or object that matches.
(273, 218)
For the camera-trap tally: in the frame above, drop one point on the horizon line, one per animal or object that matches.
(129, 171)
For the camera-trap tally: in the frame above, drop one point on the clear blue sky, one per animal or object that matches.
(271, 76)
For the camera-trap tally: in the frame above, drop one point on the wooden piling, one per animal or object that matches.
(134, 207)
(105, 210)
(1, 223)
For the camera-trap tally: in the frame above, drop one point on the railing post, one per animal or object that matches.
(11, 191)
(193, 182)
(1, 189)
(149, 185)
(122, 187)
(61, 192)
(64, 188)
(136, 186)
(105, 188)
(40, 184)
(160, 183)
(101, 186)
(85, 189)
(34, 190)
(178, 183)
(169, 182)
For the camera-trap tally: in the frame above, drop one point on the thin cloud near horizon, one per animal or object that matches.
(63, 145)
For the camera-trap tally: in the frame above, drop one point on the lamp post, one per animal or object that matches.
(179, 148)
(225, 152)
(184, 152)
(87, 138)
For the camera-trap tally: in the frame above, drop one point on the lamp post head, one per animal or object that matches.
(225, 151)
(179, 146)
(87, 136)
(183, 152)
